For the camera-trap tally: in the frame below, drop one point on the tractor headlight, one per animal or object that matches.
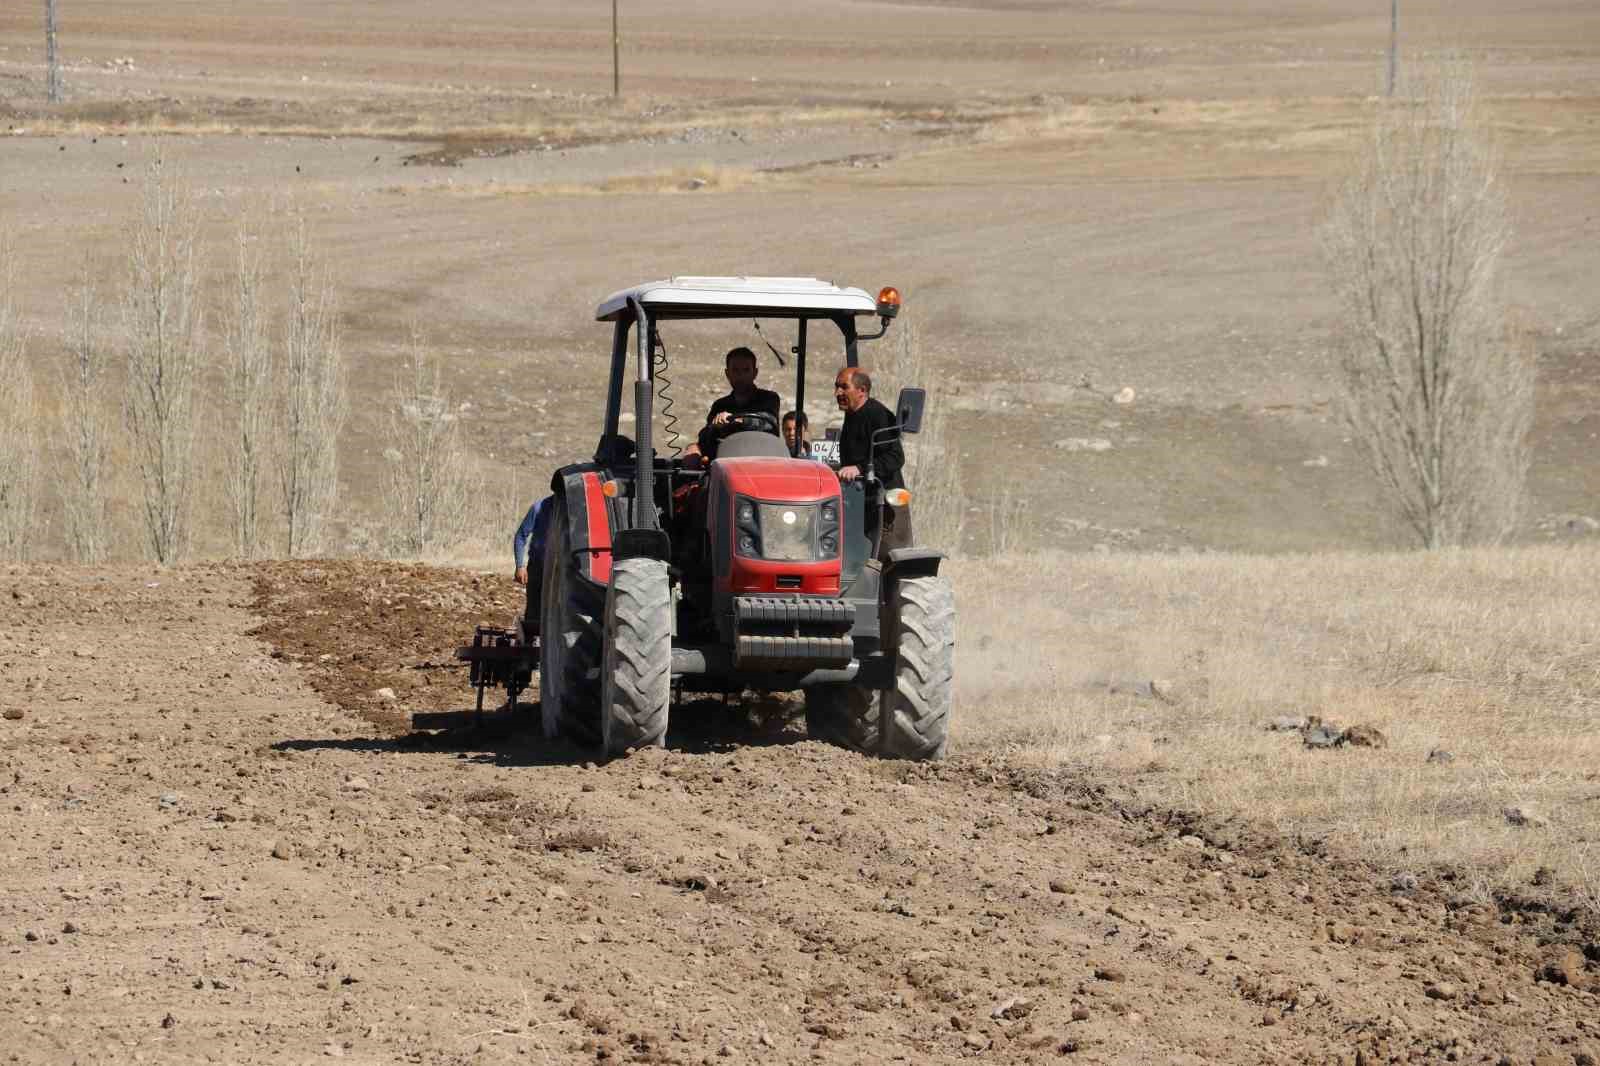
(828, 529)
(747, 527)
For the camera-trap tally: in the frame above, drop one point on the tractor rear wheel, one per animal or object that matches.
(636, 675)
(571, 641)
(912, 719)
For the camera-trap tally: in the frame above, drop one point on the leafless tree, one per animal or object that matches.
(161, 322)
(933, 462)
(19, 419)
(312, 393)
(1439, 385)
(429, 491)
(250, 370)
(85, 424)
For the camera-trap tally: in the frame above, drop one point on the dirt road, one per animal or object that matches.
(206, 860)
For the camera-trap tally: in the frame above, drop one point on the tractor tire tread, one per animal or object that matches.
(636, 685)
(916, 712)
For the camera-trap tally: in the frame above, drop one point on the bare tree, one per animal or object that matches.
(161, 324)
(250, 370)
(429, 492)
(1439, 386)
(312, 392)
(933, 463)
(19, 417)
(85, 425)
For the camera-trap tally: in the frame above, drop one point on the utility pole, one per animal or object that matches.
(1394, 39)
(52, 61)
(616, 53)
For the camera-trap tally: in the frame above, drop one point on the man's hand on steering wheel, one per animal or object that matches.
(744, 421)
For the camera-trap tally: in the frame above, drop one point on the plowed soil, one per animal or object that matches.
(220, 846)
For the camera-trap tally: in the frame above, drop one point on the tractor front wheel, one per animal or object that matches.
(915, 716)
(636, 675)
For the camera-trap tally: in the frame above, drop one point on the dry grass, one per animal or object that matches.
(701, 178)
(514, 120)
(1493, 655)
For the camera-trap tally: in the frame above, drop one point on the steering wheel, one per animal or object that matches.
(746, 421)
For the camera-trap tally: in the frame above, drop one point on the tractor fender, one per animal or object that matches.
(589, 520)
(911, 562)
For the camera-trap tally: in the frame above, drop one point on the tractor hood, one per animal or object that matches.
(779, 480)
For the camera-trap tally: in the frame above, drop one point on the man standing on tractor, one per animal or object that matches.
(744, 398)
(864, 420)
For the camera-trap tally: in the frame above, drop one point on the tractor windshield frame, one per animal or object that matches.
(626, 324)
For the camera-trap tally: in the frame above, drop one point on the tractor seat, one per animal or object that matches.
(748, 443)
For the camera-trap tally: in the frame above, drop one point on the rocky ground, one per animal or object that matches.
(221, 846)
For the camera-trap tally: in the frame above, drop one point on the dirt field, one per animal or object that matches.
(209, 862)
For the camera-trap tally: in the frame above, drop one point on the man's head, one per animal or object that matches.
(851, 388)
(741, 371)
(790, 421)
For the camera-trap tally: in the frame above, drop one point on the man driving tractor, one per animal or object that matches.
(744, 397)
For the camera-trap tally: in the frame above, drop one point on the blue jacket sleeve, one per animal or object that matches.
(519, 543)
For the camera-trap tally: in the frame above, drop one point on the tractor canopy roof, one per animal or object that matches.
(707, 297)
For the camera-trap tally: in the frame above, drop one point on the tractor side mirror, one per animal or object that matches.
(908, 409)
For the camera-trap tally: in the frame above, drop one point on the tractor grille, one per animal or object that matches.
(792, 633)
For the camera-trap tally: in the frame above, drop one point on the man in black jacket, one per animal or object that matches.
(865, 418)
(744, 396)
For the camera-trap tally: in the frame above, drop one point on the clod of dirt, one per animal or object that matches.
(1012, 1009)
(1567, 968)
(169, 1021)
(1441, 990)
(357, 784)
(70, 927)
(1109, 973)
(12, 714)
(1365, 736)
(1526, 817)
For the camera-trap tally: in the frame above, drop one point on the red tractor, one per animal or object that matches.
(757, 570)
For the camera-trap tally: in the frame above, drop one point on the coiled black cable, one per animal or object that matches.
(669, 421)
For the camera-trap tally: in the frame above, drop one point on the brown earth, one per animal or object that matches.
(220, 847)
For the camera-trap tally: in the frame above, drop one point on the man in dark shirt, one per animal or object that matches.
(865, 418)
(745, 397)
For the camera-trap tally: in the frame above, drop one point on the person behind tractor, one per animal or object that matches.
(528, 547)
(796, 425)
(744, 397)
(865, 418)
